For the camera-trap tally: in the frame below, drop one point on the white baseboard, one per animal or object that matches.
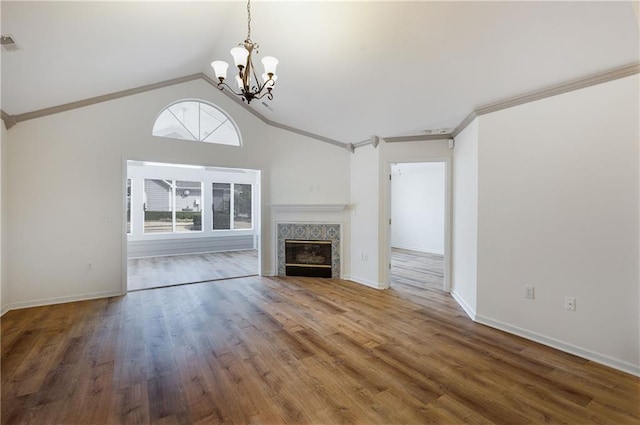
(60, 300)
(365, 282)
(413, 248)
(466, 307)
(4, 309)
(562, 346)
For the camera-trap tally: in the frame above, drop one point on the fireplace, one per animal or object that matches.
(309, 232)
(308, 258)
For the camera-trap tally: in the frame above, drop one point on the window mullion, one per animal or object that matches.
(173, 207)
(232, 201)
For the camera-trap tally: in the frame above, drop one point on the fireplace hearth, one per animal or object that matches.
(307, 258)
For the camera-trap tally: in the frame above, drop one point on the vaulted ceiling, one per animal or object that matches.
(348, 70)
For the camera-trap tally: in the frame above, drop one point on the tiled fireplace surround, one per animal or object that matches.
(309, 231)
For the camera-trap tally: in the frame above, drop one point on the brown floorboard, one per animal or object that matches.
(291, 351)
(156, 272)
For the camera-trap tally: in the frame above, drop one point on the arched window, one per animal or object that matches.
(198, 121)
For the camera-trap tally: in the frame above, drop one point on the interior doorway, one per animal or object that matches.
(418, 225)
(188, 224)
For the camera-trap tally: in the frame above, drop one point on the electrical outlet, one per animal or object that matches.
(570, 303)
(89, 267)
(529, 292)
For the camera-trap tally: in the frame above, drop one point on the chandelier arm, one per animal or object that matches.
(255, 77)
(221, 84)
(267, 93)
(262, 86)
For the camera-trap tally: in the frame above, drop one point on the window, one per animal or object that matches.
(188, 206)
(198, 121)
(242, 206)
(172, 206)
(158, 210)
(221, 206)
(232, 206)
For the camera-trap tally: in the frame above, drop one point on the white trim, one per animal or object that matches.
(61, 300)
(562, 346)
(466, 307)
(365, 282)
(308, 207)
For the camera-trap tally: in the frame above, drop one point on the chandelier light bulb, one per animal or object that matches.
(270, 64)
(220, 69)
(240, 55)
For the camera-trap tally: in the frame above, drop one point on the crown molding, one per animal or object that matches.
(9, 120)
(592, 80)
(581, 83)
(465, 122)
(103, 98)
(417, 138)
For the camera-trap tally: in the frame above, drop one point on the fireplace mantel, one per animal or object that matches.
(308, 207)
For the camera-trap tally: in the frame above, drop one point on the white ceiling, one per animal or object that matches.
(348, 70)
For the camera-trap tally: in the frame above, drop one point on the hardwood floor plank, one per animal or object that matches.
(292, 350)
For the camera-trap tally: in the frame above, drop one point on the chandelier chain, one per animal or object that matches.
(248, 19)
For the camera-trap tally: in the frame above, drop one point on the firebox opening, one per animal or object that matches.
(308, 258)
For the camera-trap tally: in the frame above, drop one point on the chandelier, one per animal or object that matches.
(247, 79)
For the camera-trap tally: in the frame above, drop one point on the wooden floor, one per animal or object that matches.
(418, 269)
(294, 351)
(155, 272)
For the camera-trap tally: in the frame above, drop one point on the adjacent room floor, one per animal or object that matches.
(419, 270)
(156, 272)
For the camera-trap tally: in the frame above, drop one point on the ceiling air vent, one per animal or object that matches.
(8, 43)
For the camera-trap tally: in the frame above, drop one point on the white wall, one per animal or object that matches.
(558, 210)
(3, 269)
(365, 217)
(465, 219)
(78, 157)
(417, 206)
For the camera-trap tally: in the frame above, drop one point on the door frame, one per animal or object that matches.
(446, 284)
(257, 205)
